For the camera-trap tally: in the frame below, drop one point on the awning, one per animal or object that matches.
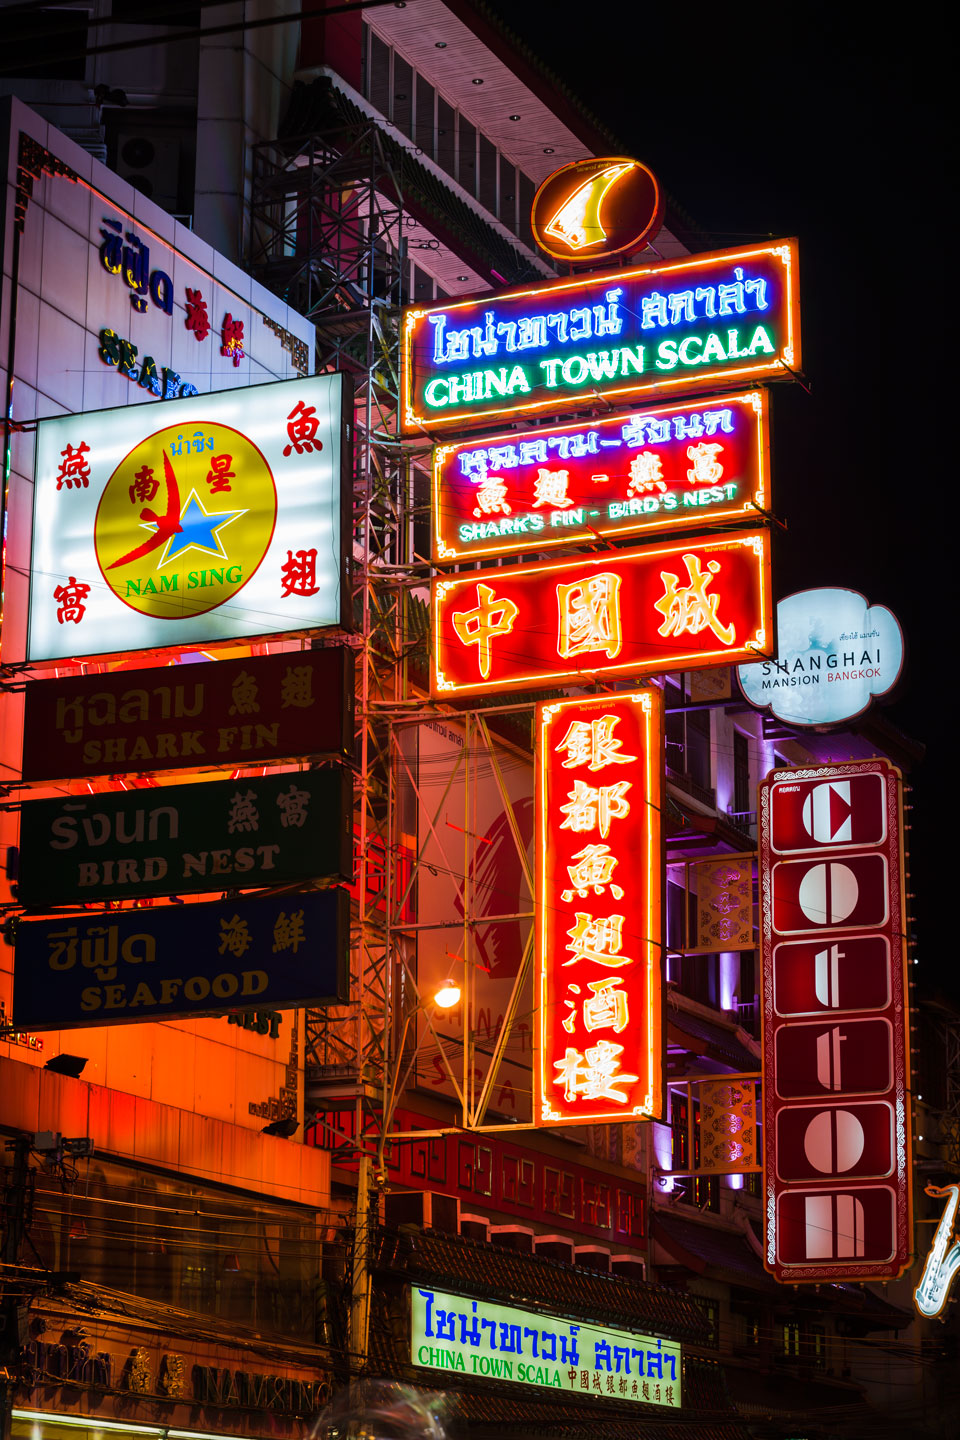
(472, 1267)
(711, 1040)
(725, 1253)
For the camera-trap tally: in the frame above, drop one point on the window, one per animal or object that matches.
(817, 1346)
(790, 1339)
(402, 113)
(711, 1310)
(426, 123)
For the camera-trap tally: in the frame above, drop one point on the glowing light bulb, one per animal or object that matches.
(448, 995)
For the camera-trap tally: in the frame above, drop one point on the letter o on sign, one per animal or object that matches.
(225, 985)
(197, 988)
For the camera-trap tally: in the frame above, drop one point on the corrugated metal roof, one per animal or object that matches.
(719, 1249)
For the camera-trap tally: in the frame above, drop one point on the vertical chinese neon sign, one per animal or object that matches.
(598, 910)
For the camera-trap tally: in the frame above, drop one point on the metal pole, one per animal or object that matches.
(16, 1209)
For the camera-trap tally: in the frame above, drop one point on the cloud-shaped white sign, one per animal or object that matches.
(835, 653)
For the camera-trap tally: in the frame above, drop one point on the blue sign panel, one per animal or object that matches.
(117, 967)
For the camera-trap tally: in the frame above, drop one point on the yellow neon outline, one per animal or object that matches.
(784, 250)
(756, 541)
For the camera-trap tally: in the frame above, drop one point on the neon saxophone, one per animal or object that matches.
(943, 1259)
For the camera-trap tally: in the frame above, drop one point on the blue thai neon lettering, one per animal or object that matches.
(621, 1356)
(532, 333)
(534, 1337)
(547, 1337)
(601, 1354)
(428, 1322)
(533, 452)
(569, 1355)
(490, 1325)
(682, 306)
(446, 1324)
(470, 1334)
(510, 1341)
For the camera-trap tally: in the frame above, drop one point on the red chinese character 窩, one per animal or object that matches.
(74, 470)
(70, 598)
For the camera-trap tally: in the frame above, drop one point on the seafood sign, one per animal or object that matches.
(225, 712)
(186, 838)
(264, 952)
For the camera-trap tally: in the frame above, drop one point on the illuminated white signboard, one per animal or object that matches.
(836, 653)
(207, 519)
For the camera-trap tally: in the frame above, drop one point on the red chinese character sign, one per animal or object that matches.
(630, 612)
(677, 467)
(674, 328)
(223, 521)
(598, 909)
(836, 1034)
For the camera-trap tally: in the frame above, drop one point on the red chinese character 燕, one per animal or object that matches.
(231, 339)
(197, 318)
(144, 486)
(220, 474)
(74, 470)
(298, 573)
(302, 426)
(70, 598)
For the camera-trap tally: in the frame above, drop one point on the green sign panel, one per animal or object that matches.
(476, 1337)
(181, 839)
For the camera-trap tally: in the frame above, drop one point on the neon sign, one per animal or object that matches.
(592, 209)
(633, 612)
(836, 1060)
(681, 325)
(665, 469)
(943, 1259)
(598, 913)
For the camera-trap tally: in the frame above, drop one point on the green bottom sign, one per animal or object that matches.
(476, 1337)
(185, 839)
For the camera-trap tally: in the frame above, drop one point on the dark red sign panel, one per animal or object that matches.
(190, 717)
(628, 612)
(836, 1036)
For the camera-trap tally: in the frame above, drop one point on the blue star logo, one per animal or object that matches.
(199, 530)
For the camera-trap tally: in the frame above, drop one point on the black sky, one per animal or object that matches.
(827, 123)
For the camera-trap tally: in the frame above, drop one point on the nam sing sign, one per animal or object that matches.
(478, 1337)
(630, 612)
(182, 960)
(186, 838)
(835, 1032)
(598, 909)
(217, 712)
(666, 469)
(727, 317)
(217, 518)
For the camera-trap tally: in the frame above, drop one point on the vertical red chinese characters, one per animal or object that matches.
(599, 914)
(836, 1036)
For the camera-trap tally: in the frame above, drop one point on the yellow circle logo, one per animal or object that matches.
(185, 520)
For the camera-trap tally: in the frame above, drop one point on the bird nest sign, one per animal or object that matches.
(218, 519)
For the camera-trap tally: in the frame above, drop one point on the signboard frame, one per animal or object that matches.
(187, 839)
(100, 715)
(501, 328)
(632, 578)
(564, 459)
(93, 975)
(843, 1200)
(79, 587)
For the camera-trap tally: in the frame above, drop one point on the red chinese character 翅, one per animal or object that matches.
(298, 573)
(231, 339)
(302, 426)
(74, 470)
(197, 318)
(70, 598)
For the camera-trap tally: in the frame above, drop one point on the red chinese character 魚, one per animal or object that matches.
(302, 426)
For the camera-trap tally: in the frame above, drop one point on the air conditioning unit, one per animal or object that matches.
(424, 1208)
(150, 163)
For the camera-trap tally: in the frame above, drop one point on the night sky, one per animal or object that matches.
(831, 130)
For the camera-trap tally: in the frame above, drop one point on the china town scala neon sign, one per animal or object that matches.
(598, 921)
(726, 317)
